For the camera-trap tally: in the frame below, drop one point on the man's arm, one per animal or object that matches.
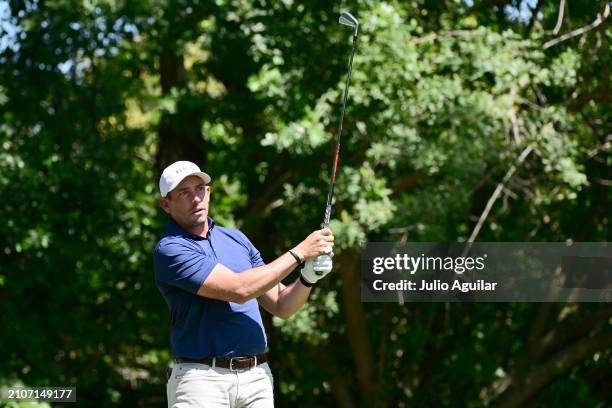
(283, 301)
(224, 284)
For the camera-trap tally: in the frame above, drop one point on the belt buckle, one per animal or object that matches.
(251, 365)
(231, 365)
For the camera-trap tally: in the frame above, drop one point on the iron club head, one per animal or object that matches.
(348, 19)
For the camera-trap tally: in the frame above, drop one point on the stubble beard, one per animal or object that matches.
(200, 220)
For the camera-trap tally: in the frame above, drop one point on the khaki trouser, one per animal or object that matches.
(199, 385)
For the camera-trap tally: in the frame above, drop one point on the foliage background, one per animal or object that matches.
(97, 96)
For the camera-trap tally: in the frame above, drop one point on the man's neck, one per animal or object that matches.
(200, 230)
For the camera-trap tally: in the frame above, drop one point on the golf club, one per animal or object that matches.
(349, 20)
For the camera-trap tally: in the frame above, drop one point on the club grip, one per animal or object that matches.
(327, 217)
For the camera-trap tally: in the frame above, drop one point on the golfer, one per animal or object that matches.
(212, 279)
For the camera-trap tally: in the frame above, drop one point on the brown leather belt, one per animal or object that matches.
(233, 363)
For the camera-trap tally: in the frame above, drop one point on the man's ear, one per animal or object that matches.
(163, 203)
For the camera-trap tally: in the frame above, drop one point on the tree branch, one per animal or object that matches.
(524, 385)
(274, 183)
(537, 328)
(601, 17)
(564, 334)
(494, 197)
(559, 18)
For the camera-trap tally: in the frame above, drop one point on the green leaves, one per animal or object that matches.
(304, 136)
(308, 323)
(442, 102)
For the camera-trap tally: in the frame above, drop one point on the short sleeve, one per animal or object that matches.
(179, 265)
(254, 254)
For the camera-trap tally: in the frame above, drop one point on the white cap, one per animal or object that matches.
(176, 172)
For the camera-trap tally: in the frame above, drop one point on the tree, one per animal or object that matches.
(487, 121)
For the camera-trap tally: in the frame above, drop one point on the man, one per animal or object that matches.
(212, 279)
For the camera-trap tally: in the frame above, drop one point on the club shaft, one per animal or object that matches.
(332, 182)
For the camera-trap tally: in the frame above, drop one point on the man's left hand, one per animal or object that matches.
(316, 270)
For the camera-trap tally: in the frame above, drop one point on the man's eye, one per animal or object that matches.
(201, 188)
(183, 194)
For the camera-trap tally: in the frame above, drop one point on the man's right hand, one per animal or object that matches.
(318, 243)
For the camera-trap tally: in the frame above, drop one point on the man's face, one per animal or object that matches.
(187, 204)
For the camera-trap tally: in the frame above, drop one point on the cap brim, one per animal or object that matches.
(205, 178)
(200, 174)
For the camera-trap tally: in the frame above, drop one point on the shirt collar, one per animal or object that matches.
(174, 229)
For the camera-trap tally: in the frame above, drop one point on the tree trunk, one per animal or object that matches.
(356, 328)
(180, 137)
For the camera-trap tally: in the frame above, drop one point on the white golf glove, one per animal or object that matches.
(315, 270)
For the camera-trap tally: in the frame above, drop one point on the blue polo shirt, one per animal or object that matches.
(203, 327)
